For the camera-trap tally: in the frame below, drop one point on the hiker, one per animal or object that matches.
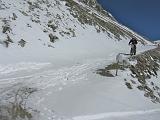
(133, 43)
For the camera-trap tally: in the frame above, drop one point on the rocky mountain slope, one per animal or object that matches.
(55, 20)
(50, 53)
(146, 66)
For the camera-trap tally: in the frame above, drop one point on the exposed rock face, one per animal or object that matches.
(148, 63)
(146, 67)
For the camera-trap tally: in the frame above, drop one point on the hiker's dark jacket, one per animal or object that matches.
(133, 41)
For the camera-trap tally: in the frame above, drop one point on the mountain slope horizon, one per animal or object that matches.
(58, 62)
(52, 22)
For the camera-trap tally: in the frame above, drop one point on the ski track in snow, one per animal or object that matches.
(115, 114)
(49, 80)
(56, 79)
(6, 69)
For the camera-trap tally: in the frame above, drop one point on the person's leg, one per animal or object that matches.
(131, 51)
(134, 50)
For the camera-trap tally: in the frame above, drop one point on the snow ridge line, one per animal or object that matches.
(115, 114)
(113, 22)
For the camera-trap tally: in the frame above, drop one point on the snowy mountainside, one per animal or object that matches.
(55, 27)
(50, 52)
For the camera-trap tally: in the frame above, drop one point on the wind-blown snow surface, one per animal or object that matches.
(64, 76)
(77, 92)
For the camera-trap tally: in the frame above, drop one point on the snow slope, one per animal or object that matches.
(77, 92)
(58, 79)
(33, 23)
